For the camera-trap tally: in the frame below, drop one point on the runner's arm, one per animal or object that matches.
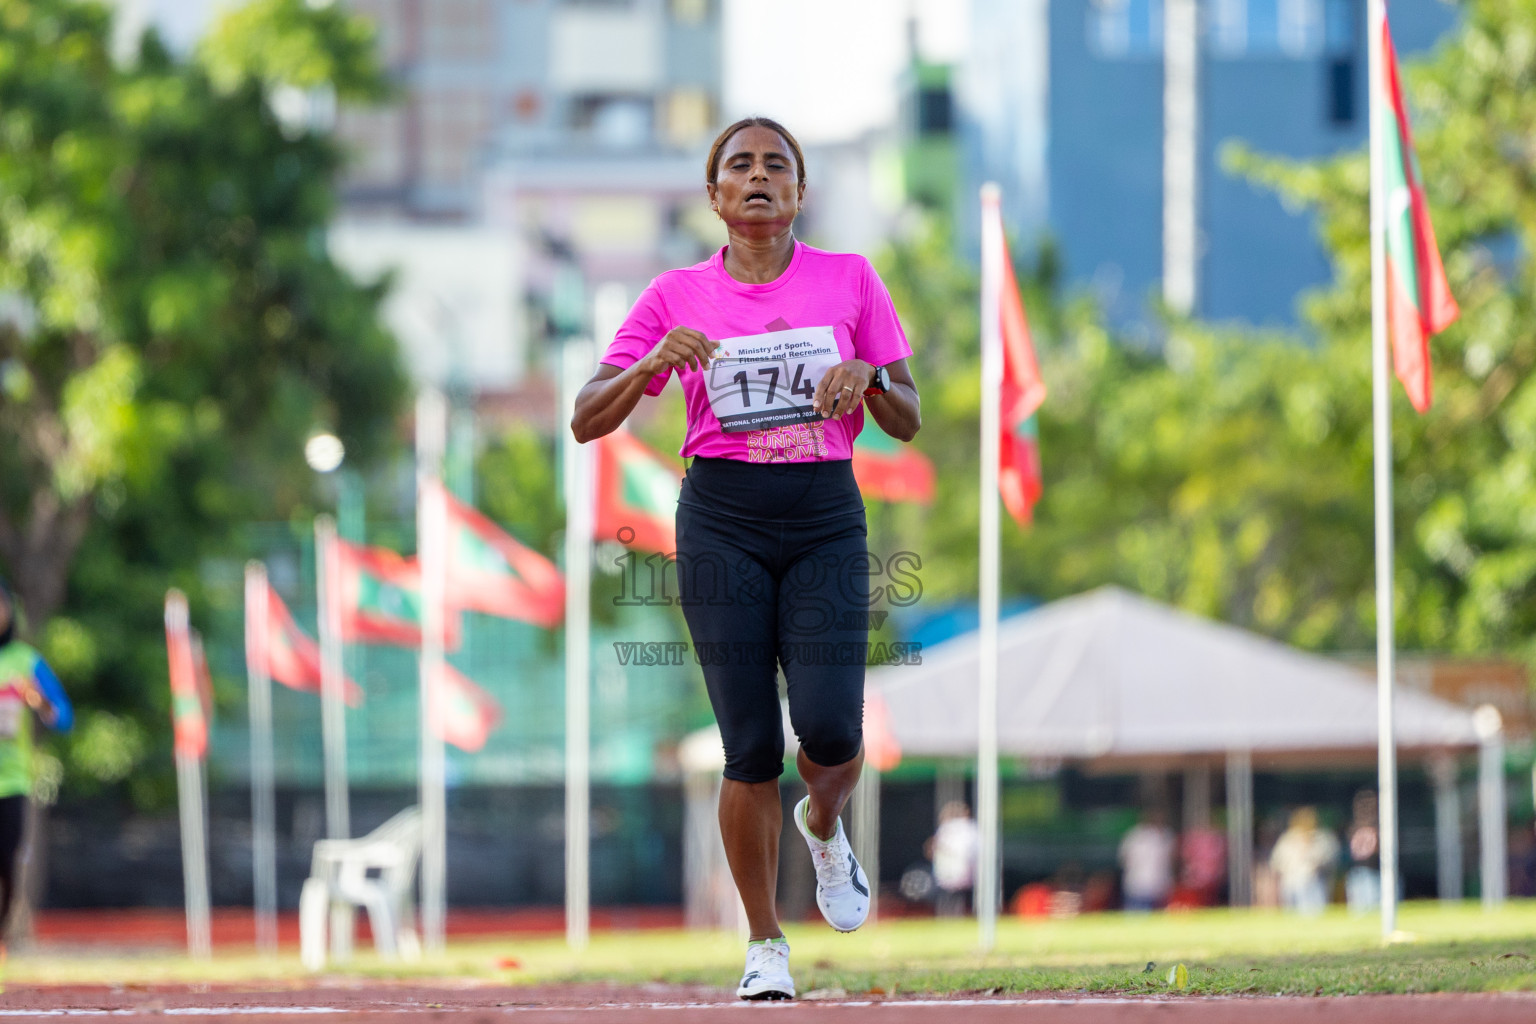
(897, 411)
(605, 401)
(56, 711)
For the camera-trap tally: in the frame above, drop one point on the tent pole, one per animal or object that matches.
(1197, 797)
(1448, 869)
(1491, 805)
(866, 833)
(1240, 828)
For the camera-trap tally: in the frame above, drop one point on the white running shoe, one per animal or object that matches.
(767, 973)
(842, 890)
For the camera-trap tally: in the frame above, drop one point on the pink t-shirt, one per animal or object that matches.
(817, 289)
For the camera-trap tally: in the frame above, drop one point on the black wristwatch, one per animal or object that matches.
(879, 385)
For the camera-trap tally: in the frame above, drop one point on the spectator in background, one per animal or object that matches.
(1303, 858)
(1362, 884)
(1522, 861)
(953, 850)
(1146, 856)
(28, 687)
(1203, 855)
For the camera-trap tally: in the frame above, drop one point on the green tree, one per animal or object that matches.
(1230, 472)
(170, 326)
(1466, 566)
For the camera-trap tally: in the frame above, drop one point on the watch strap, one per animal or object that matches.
(879, 385)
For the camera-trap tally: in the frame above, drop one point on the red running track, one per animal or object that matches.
(382, 1003)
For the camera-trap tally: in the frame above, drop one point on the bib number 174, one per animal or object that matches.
(768, 380)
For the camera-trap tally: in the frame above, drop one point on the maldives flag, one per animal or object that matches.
(1419, 301)
(1019, 480)
(378, 596)
(490, 572)
(882, 752)
(191, 687)
(276, 645)
(887, 470)
(636, 494)
(466, 714)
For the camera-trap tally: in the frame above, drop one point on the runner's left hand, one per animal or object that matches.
(842, 388)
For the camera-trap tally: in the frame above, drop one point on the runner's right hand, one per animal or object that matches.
(683, 346)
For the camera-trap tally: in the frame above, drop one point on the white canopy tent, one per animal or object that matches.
(1114, 680)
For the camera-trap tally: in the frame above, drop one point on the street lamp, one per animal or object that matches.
(324, 453)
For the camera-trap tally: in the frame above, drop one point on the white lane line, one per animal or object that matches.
(174, 1011)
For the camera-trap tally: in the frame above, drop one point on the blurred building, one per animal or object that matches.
(1062, 103)
(486, 81)
(573, 128)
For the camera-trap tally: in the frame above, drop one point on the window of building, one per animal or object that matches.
(605, 49)
(1341, 27)
(689, 114)
(1341, 91)
(1126, 28)
(613, 122)
(1266, 28)
(454, 125)
(934, 111)
(373, 139)
(1341, 42)
(690, 12)
(459, 29)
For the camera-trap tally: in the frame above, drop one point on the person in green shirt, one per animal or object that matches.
(28, 689)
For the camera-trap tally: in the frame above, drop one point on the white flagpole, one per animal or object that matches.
(190, 802)
(431, 439)
(988, 869)
(1381, 401)
(263, 813)
(333, 719)
(577, 469)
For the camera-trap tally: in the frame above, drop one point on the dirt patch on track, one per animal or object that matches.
(414, 1003)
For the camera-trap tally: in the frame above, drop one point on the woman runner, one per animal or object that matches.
(27, 687)
(779, 348)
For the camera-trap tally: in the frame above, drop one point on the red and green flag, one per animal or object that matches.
(275, 645)
(636, 494)
(882, 751)
(191, 686)
(466, 714)
(1419, 301)
(1019, 479)
(887, 470)
(378, 597)
(489, 571)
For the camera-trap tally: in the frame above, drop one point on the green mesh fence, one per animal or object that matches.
(638, 713)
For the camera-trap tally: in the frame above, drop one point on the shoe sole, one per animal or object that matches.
(767, 995)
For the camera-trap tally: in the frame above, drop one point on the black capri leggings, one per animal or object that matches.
(13, 821)
(772, 569)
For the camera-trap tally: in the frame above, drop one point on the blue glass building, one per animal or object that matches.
(1061, 102)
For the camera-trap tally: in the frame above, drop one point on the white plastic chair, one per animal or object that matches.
(376, 872)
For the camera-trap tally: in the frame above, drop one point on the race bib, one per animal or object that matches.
(12, 708)
(763, 381)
